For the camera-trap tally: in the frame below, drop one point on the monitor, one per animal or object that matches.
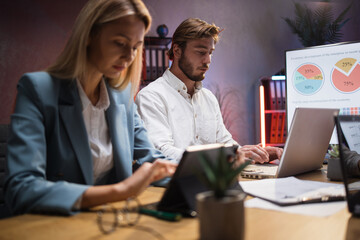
(326, 76)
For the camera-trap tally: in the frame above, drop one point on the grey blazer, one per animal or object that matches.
(49, 157)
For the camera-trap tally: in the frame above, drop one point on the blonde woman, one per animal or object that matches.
(76, 136)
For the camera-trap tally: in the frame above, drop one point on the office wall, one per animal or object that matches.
(33, 32)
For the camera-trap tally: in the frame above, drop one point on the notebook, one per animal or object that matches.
(305, 147)
(348, 132)
(179, 195)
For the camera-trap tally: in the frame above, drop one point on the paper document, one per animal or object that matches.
(291, 191)
(312, 209)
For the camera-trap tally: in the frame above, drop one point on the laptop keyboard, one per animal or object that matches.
(267, 169)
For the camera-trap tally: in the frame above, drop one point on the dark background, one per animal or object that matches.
(253, 43)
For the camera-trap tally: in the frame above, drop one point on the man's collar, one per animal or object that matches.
(179, 85)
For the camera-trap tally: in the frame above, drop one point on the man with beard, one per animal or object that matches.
(177, 111)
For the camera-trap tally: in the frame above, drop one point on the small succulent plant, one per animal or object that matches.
(334, 151)
(222, 174)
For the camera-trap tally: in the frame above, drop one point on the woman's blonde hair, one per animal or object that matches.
(193, 28)
(72, 61)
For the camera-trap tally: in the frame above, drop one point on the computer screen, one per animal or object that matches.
(326, 76)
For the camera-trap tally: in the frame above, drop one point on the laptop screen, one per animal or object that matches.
(348, 131)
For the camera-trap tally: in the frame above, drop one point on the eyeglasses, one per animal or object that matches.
(108, 218)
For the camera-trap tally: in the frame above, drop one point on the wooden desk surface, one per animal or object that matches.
(260, 224)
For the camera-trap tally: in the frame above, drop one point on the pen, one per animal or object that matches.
(161, 215)
(325, 198)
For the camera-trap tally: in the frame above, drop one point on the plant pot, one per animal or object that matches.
(221, 218)
(334, 169)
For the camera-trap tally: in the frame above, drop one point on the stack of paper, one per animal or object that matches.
(292, 191)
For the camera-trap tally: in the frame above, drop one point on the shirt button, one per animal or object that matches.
(184, 88)
(195, 115)
(197, 137)
(178, 90)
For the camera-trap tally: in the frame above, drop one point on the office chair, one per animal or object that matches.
(4, 133)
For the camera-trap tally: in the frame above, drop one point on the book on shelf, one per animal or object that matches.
(148, 64)
(283, 129)
(283, 95)
(274, 128)
(267, 127)
(166, 59)
(159, 64)
(272, 94)
(279, 126)
(154, 61)
(144, 67)
(278, 94)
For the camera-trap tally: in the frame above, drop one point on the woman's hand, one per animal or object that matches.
(148, 173)
(130, 187)
(162, 168)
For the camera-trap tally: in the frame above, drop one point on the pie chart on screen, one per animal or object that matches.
(346, 75)
(308, 79)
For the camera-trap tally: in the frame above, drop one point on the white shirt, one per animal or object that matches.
(175, 120)
(97, 130)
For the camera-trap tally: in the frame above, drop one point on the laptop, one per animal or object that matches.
(180, 193)
(305, 147)
(348, 132)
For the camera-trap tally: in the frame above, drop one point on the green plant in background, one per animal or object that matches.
(317, 27)
(334, 151)
(220, 176)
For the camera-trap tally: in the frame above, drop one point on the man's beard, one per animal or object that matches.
(186, 67)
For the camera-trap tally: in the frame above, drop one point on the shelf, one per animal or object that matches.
(275, 111)
(155, 59)
(275, 145)
(157, 41)
(273, 129)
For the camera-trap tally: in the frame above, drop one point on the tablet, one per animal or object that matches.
(348, 132)
(180, 194)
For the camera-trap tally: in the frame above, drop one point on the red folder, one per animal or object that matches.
(283, 129)
(279, 127)
(274, 128)
(283, 95)
(279, 100)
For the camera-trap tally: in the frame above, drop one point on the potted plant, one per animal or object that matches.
(317, 27)
(334, 167)
(221, 210)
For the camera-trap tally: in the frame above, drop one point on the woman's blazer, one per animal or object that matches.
(49, 158)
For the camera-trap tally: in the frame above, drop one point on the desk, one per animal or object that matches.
(260, 224)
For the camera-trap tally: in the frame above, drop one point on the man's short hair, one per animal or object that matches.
(193, 28)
